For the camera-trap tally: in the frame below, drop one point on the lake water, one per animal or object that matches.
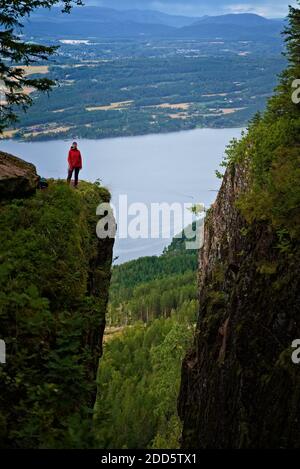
(165, 168)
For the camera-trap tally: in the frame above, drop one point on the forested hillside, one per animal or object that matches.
(156, 87)
(154, 300)
(138, 384)
(151, 287)
(54, 281)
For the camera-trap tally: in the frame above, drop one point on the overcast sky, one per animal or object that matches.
(270, 8)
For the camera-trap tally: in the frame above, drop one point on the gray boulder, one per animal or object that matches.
(17, 177)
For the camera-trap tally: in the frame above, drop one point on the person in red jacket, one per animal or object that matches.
(75, 163)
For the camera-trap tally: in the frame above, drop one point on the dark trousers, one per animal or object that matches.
(70, 174)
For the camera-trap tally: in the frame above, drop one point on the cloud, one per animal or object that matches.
(275, 8)
(247, 8)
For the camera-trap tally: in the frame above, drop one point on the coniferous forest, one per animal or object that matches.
(153, 306)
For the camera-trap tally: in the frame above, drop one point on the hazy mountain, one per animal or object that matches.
(156, 17)
(94, 29)
(267, 8)
(109, 15)
(107, 22)
(246, 19)
(245, 26)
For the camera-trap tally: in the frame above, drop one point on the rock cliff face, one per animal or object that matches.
(239, 386)
(17, 178)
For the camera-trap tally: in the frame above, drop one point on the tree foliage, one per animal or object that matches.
(15, 53)
(138, 384)
(270, 150)
(151, 287)
(50, 317)
(155, 298)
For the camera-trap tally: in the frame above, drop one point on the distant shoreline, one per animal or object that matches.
(142, 135)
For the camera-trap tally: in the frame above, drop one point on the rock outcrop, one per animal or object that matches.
(17, 177)
(240, 388)
(54, 283)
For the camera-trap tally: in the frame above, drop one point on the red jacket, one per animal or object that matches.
(74, 159)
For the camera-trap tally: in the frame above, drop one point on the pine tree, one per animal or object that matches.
(14, 51)
(292, 34)
(282, 102)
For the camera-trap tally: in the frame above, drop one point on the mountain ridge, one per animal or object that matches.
(99, 22)
(236, 18)
(107, 15)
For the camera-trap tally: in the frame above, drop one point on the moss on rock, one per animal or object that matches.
(54, 282)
